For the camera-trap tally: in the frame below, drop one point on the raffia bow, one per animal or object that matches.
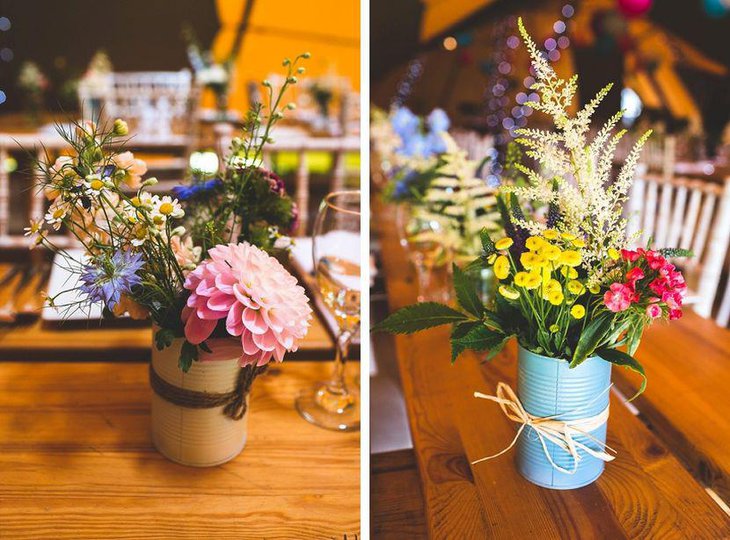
(551, 428)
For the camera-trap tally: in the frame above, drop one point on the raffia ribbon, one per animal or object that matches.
(234, 402)
(551, 428)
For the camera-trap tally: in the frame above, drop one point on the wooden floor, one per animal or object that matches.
(76, 462)
(645, 493)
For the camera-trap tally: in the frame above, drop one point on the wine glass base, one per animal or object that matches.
(338, 418)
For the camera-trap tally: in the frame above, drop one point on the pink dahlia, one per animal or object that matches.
(259, 299)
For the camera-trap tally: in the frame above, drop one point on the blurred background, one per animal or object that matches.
(182, 73)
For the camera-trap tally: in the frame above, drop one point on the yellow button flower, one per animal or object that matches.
(532, 261)
(508, 292)
(555, 298)
(492, 258)
(503, 243)
(550, 252)
(534, 243)
(568, 272)
(576, 287)
(579, 243)
(568, 236)
(554, 328)
(550, 234)
(570, 258)
(614, 254)
(501, 267)
(578, 311)
(521, 278)
(532, 281)
(595, 289)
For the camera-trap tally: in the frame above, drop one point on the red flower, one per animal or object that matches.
(634, 275)
(629, 255)
(654, 311)
(618, 297)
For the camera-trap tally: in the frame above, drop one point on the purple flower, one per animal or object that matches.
(107, 279)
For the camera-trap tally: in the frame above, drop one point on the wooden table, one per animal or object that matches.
(644, 493)
(37, 342)
(687, 401)
(76, 462)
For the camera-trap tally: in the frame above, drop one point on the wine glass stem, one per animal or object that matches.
(424, 281)
(336, 384)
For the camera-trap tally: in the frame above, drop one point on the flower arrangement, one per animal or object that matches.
(415, 157)
(569, 288)
(210, 279)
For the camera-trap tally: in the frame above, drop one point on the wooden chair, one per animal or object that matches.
(690, 214)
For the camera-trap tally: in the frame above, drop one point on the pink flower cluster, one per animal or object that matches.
(261, 302)
(649, 279)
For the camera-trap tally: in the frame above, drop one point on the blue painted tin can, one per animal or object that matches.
(548, 387)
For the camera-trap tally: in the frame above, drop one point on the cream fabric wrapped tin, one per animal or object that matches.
(198, 437)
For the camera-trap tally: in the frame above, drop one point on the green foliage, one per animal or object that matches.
(419, 317)
(465, 293)
(621, 358)
(477, 338)
(676, 253)
(188, 355)
(163, 338)
(591, 337)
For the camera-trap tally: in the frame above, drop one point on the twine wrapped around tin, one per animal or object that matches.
(551, 428)
(200, 418)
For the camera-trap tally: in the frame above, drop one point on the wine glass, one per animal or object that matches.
(333, 404)
(425, 239)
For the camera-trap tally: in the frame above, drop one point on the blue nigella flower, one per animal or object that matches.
(438, 121)
(109, 279)
(188, 192)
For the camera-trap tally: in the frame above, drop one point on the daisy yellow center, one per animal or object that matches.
(96, 184)
(58, 213)
(166, 208)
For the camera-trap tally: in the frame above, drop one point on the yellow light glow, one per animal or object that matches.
(450, 43)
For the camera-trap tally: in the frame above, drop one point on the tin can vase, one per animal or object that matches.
(548, 387)
(191, 424)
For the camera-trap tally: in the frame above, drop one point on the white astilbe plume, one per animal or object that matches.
(589, 199)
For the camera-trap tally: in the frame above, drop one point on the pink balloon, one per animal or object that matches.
(634, 8)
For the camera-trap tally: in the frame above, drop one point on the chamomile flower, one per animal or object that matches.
(56, 213)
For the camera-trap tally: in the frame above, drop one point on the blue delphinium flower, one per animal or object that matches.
(405, 123)
(438, 121)
(108, 279)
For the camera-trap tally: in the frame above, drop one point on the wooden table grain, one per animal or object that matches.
(76, 462)
(36, 341)
(644, 493)
(687, 401)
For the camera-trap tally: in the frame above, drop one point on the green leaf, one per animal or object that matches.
(163, 338)
(419, 317)
(621, 358)
(457, 332)
(188, 355)
(478, 338)
(494, 351)
(591, 337)
(465, 293)
(676, 252)
(204, 347)
(633, 336)
(487, 244)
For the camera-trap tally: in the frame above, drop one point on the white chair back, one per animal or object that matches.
(685, 213)
(157, 105)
